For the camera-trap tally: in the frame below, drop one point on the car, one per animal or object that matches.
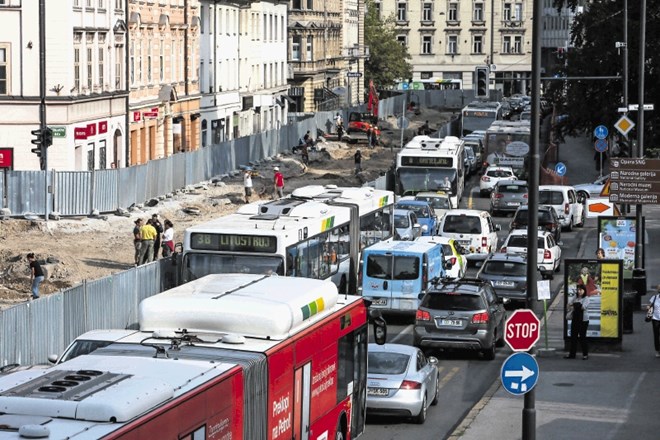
(549, 252)
(466, 314)
(547, 218)
(453, 254)
(472, 159)
(401, 381)
(473, 229)
(507, 273)
(439, 200)
(425, 214)
(507, 196)
(406, 226)
(494, 174)
(477, 144)
(566, 202)
(591, 190)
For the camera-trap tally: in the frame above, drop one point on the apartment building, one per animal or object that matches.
(85, 90)
(354, 52)
(448, 39)
(163, 68)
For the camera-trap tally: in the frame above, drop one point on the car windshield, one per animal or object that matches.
(462, 224)
(401, 221)
(441, 301)
(551, 198)
(199, 265)
(510, 268)
(523, 216)
(436, 202)
(387, 363)
(520, 241)
(420, 210)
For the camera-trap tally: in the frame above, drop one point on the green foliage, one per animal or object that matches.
(388, 59)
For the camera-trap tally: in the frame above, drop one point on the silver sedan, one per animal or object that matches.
(401, 381)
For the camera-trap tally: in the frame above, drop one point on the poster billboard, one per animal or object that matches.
(616, 236)
(603, 280)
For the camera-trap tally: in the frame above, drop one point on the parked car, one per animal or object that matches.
(425, 214)
(472, 159)
(547, 218)
(453, 254)
(465, 314)
(566, 202)
(401, 381)
(406, 226)
(494, 174)
(591, 190)
(439, 200)
(507, 273)
(477, 144)
(548, 254)
(507, 196)
(473, 229)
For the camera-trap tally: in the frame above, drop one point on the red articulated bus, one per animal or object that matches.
(227, 356)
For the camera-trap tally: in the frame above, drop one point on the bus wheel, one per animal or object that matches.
(343, 286)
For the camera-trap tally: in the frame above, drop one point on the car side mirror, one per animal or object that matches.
(380, 326)
(504, 301)
(562, 217)
(52, 358)
(433, 360)
(498, 227)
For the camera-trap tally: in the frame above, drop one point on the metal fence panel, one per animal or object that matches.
(147, 280)
(141, 177)
(3, 203)
(125, 302)
(26, 192)
(105, 191)
(46, 323)
(74, 306)
(127, 192)
(73, 192)
(98, 296)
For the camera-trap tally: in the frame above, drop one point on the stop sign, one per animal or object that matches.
(522, 330)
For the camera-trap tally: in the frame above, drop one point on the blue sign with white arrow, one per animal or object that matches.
(560, 168)
(601, 132)
(520, 373)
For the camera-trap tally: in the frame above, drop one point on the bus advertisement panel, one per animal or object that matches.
(507, 143)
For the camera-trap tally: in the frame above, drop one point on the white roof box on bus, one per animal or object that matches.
(331, 192)
(416, 142)
(293, 208)
(256, 306)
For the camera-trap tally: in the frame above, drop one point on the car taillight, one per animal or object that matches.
(480, 318)
(410, 385)
(425, 275)
(452, 260)
(550, 226)
(485, 178)
(525, 196)
(422, 315)
(566, 208)
(484, 242)
(546, 255)
(498, 195)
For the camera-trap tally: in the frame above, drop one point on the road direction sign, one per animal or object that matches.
(600, 145)
(522, 330)
(601, 132)
(635, 107)
(519, 373)
(597, 207)
(624, 125)
(560, 168)
(635, 181)
(354, 74)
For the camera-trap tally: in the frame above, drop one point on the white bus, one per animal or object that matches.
(507, 143)
(431, 164)
(479, 115)
(317, 232)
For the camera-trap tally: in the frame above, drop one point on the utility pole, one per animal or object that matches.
(42, 98)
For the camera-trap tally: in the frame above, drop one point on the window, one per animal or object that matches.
(477, 44)
(90, 157)
(427, 11)
(308, 49)
(204, 133)
(101, 4)
(119, 67)
(4, 70)
(119, 5)
(426, 44)
(132, 64)
(296, 4)
(517, 12)
(76, 3)
(310, 5)
(379, 8)
(401, 11)
(173, 61)
(517, 44)
(506, 13)
(506, 44)
(452, 13)
(102, 155)
(101, 61)
(149, 62)
(452, 44)
(402, 40)
(295, 48)
(478, 12)
(88, 4)
(161, 61)
(90, 69)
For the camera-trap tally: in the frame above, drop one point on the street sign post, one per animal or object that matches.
(354, 74)
(560, 168)
(601, 132)
(402, 122)
(519, 373)
(522, 330)
(600, 145)
(635, 181)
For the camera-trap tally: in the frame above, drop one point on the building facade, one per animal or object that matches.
(85, 92)
(162, 71)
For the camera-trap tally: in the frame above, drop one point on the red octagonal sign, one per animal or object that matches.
(522, 330)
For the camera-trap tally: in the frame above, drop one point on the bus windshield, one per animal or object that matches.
(414, 180)
(206, 264)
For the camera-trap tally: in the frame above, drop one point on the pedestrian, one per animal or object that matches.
(654, 308)
(137, 240)
(579, 317)
(340, 131)
(339, 121)
(36, 273)
(369, 134)
(168, 239)
(305, 154)
(424, 129)
(357, 157)
(155, 222)
(278, 183)
(600, 254)
(374, 138)
(247, 184)
(148, 236)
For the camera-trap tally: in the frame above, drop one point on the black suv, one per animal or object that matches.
(547, 216)
(465, 314)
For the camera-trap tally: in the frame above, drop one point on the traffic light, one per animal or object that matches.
(481, 82)
(47, 137)
(38, 138)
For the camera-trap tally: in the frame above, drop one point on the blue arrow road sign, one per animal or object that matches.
(600, 145)
(601, 132)
(560, 168)
(519, 373)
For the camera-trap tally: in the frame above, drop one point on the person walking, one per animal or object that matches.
(654, 307)
(37, 274)
(339, 124)
(278, 183)
(247, 184)
(168, 239)
(137, 240)
(155, 222)
(148, 236)
(357, 157)
(305, 154)
(579, 323)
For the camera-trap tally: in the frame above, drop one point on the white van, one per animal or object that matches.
(473, 229)
(568, 205)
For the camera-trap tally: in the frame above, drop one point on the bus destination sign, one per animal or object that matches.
(426, 161)
(232, 242)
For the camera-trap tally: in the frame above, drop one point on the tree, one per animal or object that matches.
(595, 32)
(388, 59)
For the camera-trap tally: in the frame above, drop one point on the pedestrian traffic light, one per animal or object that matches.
(481, 82)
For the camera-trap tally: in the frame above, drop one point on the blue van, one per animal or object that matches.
(394, 273)
(424, 211)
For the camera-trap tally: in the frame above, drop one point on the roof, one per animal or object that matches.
(392, 348)
(523, 232)
(427, 194)
(434, 239)
(555, 187)
(499, 167)
(474, 212)
(515, 257)
(411, 202)
(415, 247)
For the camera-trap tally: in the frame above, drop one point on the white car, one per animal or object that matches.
(549, 252)
(494, 174)
(566, 202)
(592, 190)
(472, 229)
(451, 251)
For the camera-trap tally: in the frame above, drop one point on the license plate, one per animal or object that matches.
(505, 283)
(464, 242)
(378, 391)
(451, 322)
(513, 204)
(379, 301)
